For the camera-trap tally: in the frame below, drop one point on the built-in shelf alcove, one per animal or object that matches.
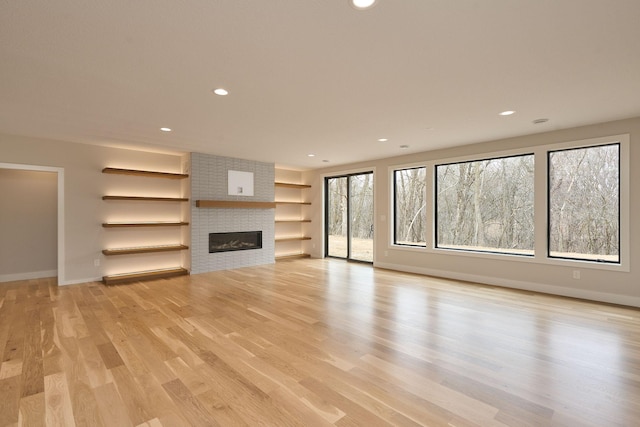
(145, 246)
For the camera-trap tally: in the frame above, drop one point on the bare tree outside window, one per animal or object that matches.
(486, 205)
(410, 203)
(584, 203)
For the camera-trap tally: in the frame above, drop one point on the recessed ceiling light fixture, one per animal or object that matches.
(325, 161)
(311, 155)
(540, 121)
(507, 113)
(165, 129)
(362, 4)
(404, 147)
(383, 139)
(220, 91)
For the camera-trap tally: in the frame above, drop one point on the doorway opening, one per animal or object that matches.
(60, 272)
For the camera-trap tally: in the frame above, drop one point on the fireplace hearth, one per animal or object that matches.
(235, 241)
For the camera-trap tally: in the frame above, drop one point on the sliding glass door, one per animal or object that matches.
(349, 217)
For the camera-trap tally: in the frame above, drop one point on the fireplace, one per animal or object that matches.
(235, 241)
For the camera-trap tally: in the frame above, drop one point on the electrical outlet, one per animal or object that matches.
(96, 262)
(576, 274)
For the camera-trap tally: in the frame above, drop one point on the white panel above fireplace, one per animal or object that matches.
(240, 183)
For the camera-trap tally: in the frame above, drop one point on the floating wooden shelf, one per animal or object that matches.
(288, 185)
(291, 239)
(150, 199)
(144, 275)
(145, 249)
(231, 204)
(143, 224)
(293, 203)
(150, 174)
(292, 256)
(278, 221)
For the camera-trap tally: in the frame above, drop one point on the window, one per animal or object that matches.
(410, 227)
(584, 203)
(486, 205)
(555, 204)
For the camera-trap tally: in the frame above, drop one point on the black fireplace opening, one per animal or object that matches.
(235, 241)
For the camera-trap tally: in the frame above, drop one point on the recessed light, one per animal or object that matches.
(165, 129)
(325, 161)
(383, 139)
(404, 146)
(220, 91)
(507, 113)
(539, 121)
(362, 4)
(311, 155)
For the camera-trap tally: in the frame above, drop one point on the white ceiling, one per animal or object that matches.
(313, 76)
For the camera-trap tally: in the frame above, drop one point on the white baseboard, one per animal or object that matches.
(28, 276)
(517, 284)
(43, 275)
(78, 281)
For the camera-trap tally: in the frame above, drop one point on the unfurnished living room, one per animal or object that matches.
(320, 213)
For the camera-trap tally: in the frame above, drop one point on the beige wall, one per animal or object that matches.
(597, 284)
(84, 210)
(28, 224)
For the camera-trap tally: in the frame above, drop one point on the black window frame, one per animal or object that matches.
(435, 206)
(619, 197)
(395, 208)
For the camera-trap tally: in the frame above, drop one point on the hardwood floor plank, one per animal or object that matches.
(306, 415)
(32, 367)
(111, 406)
(83, 402)
(58, 408)
(351, 409)
(152, 360)
(132, 395)
(190, 378)
(11, 368)
(220, 410)
(14, 346)
(9, 400)
(6, 308)
(32, 410)
(110, 356)
(193, 410)
(96, 371)
(48, 344)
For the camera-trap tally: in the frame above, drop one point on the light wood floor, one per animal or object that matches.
(313, 343)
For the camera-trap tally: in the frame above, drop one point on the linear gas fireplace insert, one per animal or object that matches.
(235, 241)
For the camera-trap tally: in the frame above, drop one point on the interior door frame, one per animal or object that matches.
(325, 179)
(60, 178)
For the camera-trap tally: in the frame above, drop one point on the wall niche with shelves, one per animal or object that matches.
(144, 225)
(292, 218)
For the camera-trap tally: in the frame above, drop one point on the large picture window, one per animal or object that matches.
(486, 205)
(410, 227)
(584, 203)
